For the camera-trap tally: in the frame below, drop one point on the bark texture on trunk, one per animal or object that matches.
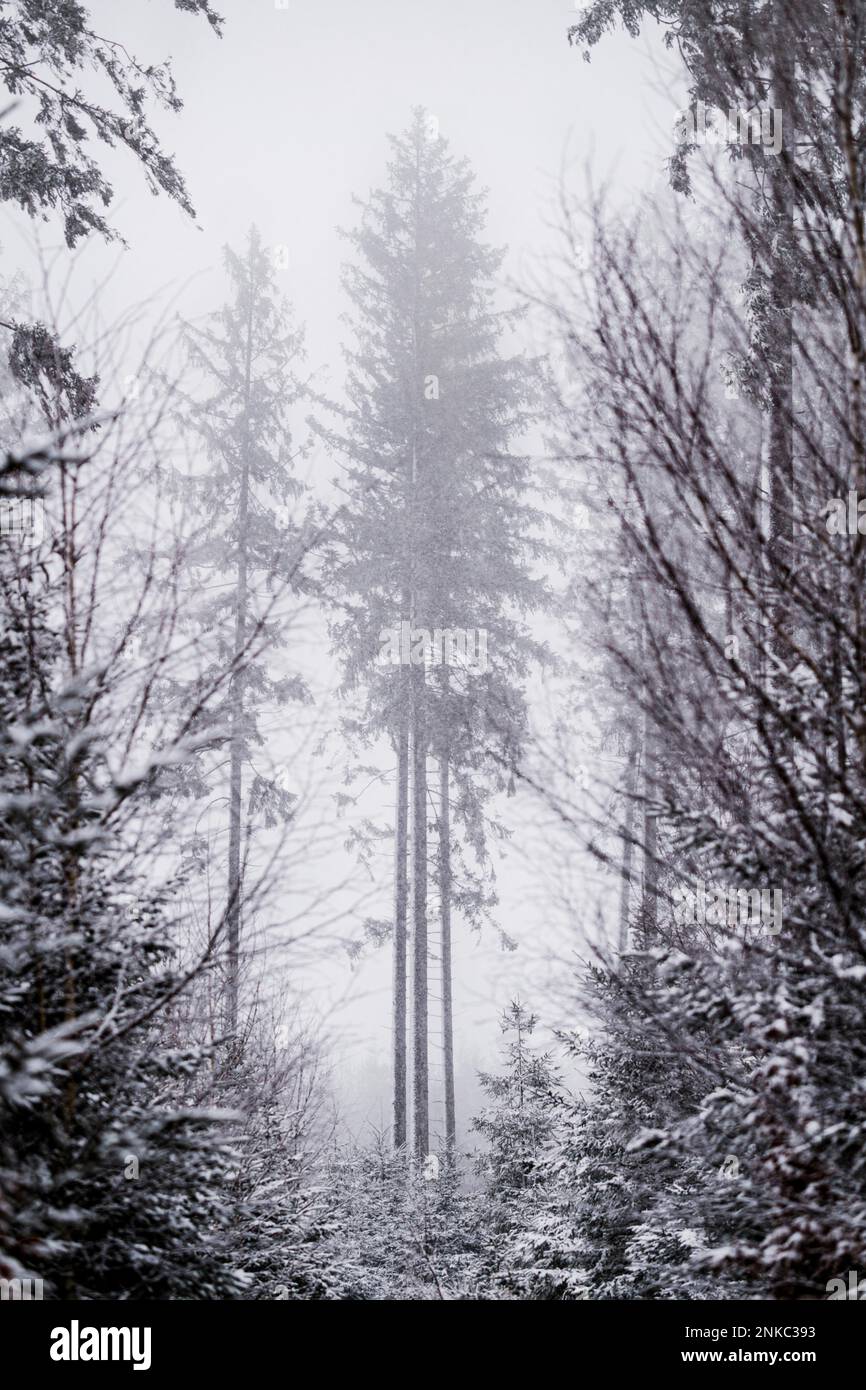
(628, 841)
(401, 903)
(420, 1065)
(649, 905)
(781, 441)
(445, 920)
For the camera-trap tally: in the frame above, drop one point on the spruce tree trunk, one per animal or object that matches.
(445, 921)
(401, 902)
(233, 913)
(857, 468)
(235, 884)
(634, 751)
(649, 906)
(781, 443)
(420, 1068)
(628, 840)
(418, 742)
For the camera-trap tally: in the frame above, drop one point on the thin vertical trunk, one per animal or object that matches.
(649, 906)
(235, 884)
(846, 87)
(233, 913)
(445, 920)
(401, 901)
(628, 840)
(420, 1067)
(418, 754)
(632, 765)
(781, 442)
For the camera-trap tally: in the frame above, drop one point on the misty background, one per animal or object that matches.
(284, 122)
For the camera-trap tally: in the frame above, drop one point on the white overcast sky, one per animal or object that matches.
(285, 118)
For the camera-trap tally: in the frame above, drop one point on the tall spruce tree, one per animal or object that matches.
(436, 537)
(247, 546)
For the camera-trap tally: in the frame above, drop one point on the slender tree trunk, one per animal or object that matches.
(418, 738)
(846, 87)
(420, 1067)
(235, 884)
(445, 919)
(401, 901)
(631, 768)
(649, 907)
(781, 442)
(628, 840)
